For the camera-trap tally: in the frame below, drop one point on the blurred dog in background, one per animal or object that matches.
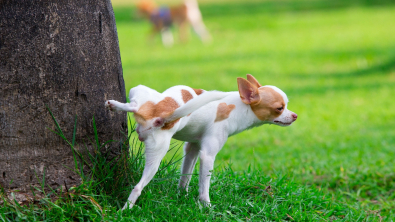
(183, 15)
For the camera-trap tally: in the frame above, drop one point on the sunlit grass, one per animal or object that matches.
(337, 67)
(248, 195)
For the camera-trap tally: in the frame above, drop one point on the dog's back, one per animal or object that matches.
(183, 99)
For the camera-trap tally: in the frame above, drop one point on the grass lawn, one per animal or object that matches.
(336, 62)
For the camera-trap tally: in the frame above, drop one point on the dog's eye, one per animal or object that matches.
(280, 109)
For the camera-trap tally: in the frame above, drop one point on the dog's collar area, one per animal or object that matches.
(162, 15)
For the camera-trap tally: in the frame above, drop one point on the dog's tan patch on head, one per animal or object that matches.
(223, 111)
(266, 108)
(198, 91)
(186, 95)
(150, 110)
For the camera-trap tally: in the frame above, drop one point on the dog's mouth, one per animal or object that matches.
(282, 123)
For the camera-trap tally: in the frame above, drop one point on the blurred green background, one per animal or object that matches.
(334, 59)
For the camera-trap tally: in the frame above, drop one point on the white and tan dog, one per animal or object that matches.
(203, 119)
(182, 15)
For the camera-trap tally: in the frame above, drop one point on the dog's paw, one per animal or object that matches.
(182, 191)
(127, 205)
(109, 105)
(205, 203)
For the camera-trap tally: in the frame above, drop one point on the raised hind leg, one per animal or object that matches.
(118, 106)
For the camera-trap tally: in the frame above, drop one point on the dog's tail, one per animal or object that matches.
(196, 103)
(187, 108)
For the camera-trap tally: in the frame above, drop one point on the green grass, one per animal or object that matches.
(250, 195)
(334, 59)
(336, 62)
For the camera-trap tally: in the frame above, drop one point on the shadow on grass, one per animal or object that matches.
(211, 10)
(345, 79)
(345, 87)
(377, 69)
(383, 68)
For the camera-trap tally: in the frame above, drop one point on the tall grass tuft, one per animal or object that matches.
(105, 181)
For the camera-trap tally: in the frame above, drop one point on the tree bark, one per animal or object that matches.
(63, 54)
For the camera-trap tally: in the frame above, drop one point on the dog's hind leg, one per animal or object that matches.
(191, 151)
(155, 149)
(118, 106)
(196, 20)
(201, 31)
(210, 147)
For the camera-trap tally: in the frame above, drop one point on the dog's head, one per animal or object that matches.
(146, 7)
(268, 103)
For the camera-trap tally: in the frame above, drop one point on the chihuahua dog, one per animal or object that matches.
(162, 18)
(203, 119)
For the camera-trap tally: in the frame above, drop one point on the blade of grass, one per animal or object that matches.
(95, 132)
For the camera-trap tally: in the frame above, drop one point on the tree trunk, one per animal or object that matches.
(63, 54)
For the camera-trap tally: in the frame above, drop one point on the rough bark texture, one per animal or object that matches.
(63, 54)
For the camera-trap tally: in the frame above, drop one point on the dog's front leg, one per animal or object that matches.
(210, 148)
(155, 149)
(167, 37)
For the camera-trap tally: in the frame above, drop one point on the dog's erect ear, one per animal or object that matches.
(252, 80)
(249, 93)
